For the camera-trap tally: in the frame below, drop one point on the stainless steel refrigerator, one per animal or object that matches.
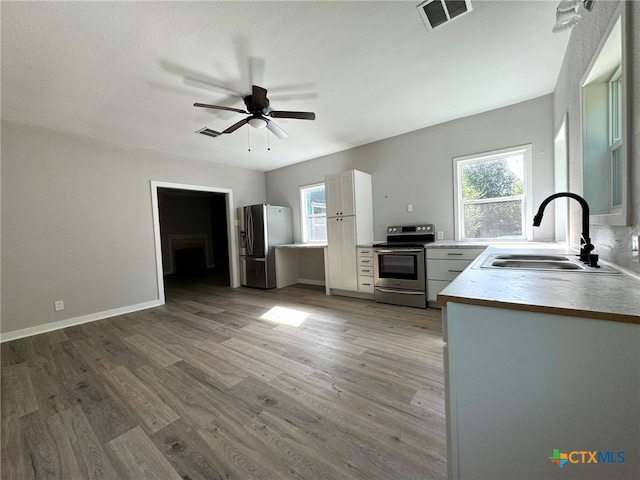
(261, 228)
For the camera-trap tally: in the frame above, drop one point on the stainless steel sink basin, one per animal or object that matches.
(541, 262)
(527, 256)
(537, 265)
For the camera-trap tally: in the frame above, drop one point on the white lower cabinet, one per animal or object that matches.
(365, 269)
(444, 265)
(522, 385)
(343, 266)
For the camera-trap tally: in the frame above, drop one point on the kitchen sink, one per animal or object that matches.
(537, 265)
(540, 262)
(527, 256)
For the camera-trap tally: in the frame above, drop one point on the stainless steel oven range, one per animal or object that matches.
(399, 266)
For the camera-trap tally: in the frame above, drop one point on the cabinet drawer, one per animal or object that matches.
(434, 287)
(365, 271)
(365, 284)
(445, 269)
(365, 262)
(454, 253)
(365, 252)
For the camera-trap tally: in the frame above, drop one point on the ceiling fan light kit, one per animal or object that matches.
(258, 110)
(257, 122)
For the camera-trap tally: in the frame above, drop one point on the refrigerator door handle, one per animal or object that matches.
(251, 238)
(248, 222)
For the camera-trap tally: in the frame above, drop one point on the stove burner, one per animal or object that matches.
(409, 236)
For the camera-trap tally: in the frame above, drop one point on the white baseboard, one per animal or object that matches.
(69, 322)
(311, 281)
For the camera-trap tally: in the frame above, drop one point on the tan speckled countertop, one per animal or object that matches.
(591, 295)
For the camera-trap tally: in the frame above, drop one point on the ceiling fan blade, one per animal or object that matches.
(259, 98)
(194, 82)
(236, 126)
(276, 130)
(219, 107)
(299, 115)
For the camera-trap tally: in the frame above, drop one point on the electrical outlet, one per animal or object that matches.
(410, 207)
(59, 305)
(439, 235)
(635, 241)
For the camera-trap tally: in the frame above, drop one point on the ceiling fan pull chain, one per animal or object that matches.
(248, 141)
(268, 144)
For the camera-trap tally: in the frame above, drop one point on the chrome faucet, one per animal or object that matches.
(586, 246)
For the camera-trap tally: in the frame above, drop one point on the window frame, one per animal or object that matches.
(615, 119)
(526, 197)
(303, 211)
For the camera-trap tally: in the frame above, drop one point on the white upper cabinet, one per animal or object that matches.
(349, 194)
(340, 194)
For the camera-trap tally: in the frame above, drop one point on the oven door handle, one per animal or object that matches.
(401, 250)
(403, 292)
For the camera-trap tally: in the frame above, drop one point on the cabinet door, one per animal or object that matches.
(343, 263)
(349, 257)
(347, 206)
(334, 239)
(333, 193)
(339, 191)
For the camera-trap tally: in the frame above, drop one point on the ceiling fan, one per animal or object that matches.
(258, 110)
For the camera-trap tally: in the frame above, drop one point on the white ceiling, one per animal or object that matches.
(115, 70)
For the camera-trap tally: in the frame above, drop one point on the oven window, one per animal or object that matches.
(403, 267)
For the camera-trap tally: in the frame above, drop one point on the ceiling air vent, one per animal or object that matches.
(438, 12)
(209, 132)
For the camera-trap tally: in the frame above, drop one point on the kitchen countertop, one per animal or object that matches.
(471, 244)
(590, 295)
(302, 245)
(456, 244)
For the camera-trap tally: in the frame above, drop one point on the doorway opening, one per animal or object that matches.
(194, 234)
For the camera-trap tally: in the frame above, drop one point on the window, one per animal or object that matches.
(615, 138)
(314, 213)
(491, 192)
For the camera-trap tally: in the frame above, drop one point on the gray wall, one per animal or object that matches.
(416, 168)
(612, 243)
(77, 221)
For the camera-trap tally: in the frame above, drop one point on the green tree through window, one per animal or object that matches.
(491, 196)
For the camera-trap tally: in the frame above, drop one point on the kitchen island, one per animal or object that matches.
(538, 365)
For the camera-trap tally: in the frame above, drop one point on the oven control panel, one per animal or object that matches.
(410, 229)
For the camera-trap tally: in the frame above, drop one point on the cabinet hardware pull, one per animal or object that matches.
(449, 253)
(403, 292)
(454, 271)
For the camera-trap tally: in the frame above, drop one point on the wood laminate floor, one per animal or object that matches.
(202, 388)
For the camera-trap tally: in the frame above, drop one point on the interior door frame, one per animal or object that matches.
(234, 271)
